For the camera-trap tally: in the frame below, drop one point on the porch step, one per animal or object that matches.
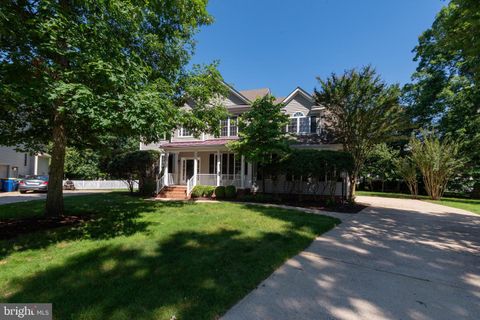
(174, 192)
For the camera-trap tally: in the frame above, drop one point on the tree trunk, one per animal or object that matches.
(351, 194)
(54, 206)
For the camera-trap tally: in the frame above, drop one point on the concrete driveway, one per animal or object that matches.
(398, 259)
(12, 197)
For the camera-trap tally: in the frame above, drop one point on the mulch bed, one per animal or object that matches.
(316, 205)
(12, 228)
(341, 207)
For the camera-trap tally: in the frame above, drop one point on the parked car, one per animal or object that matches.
(33, 183)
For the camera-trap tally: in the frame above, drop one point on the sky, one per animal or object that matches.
(284, 44)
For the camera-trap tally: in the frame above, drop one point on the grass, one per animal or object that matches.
(472, 205)
(143, 259)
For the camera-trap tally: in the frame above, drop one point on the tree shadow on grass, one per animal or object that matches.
(192, 275)
(106, 219)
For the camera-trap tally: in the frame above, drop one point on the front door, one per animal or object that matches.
(187, 169)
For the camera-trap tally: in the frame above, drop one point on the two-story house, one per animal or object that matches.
(207, 155)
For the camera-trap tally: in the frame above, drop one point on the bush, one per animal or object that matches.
(220, 192)
(230, 192)
(202, 191)
(208, 191)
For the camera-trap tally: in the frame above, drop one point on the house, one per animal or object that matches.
(14, 164)
(187, 160)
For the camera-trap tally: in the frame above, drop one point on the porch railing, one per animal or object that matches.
(161, 182)
(207, 179)
(190, 184)
(225, 179)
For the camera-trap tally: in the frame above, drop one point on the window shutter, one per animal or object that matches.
(211, 164)
(313, 124)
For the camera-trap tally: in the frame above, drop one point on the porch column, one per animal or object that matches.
(218, 168)
(195, 168)
(165, 176)
(242, 172)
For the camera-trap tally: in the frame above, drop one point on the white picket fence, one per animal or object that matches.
(101, 184)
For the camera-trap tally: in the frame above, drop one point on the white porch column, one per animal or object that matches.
(250, 174)
(165, 175)
(195, 168)
(218, 168)
(242, 172)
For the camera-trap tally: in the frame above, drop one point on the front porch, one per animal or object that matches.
(213, 167)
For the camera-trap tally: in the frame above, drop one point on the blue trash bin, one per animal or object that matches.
(8, 185)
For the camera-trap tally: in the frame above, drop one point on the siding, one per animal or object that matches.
(298, 104)
(11, 158)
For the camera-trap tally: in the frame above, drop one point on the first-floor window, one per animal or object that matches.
(229, 163)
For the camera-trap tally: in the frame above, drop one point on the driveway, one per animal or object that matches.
(12, 197)
(397, 259)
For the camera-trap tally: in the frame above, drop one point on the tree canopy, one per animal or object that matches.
(445, 91)
(361, 112)
(262, 136)
(72, 72)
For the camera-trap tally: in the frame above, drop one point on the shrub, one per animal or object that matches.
(230, 192)
(220, 192)
(197, 191)
(208, 191)
(202, 191)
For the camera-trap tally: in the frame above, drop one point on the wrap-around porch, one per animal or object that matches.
(214, 167)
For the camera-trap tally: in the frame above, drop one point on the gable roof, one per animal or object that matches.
(253, 94)
(237, 93)
(298, 90)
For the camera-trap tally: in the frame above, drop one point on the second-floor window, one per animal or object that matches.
(229, 127)
(183, 132)
(301, 124)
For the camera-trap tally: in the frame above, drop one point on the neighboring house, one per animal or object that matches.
(208, 157)
(14, 164)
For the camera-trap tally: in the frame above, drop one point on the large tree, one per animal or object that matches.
(262, 136)
(445, 91)
(361, 112)
(72, 72)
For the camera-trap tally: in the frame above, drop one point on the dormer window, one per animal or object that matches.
(301, 124)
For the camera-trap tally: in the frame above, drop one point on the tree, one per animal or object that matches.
(361, 112)
(437, 160)
(88, 163)
(83, 165)
(262, 136)
(380, 163)
(407, 169)
(141, 165)
(445, 91)
(72, 72)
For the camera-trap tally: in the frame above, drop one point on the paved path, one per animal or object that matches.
(398, 259)
(12, 197)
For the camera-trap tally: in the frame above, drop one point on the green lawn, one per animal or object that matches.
(472, 205)
(143, 259)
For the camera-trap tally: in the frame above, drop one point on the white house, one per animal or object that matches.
(188, 160)
(14, 164)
